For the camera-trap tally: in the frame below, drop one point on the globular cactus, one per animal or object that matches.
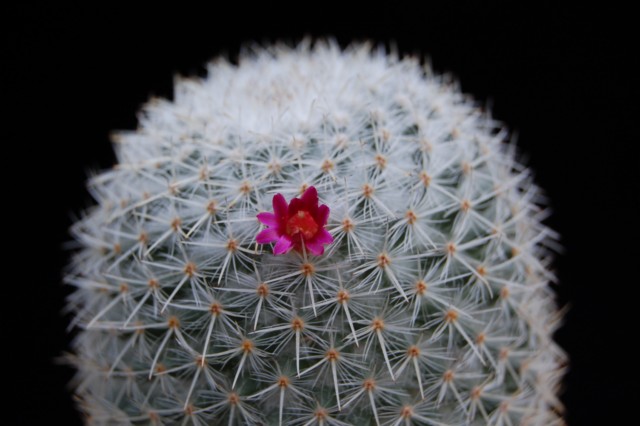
(407, 282)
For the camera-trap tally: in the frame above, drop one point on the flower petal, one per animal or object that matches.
(268, 236)
(268, 219)
(280, 207)
(310, 201)
(315, 248)
(295, 205)
(310, 196)
(322, 237)
(283, 245)
(322, 215)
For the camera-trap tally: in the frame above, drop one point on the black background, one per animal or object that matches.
(559, 76)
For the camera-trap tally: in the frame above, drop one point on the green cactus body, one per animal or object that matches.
(430, 306)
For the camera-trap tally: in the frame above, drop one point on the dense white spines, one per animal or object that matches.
(431, 306)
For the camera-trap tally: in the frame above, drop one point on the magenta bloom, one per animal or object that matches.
(297, 225)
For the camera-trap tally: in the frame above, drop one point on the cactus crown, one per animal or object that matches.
(417, 295)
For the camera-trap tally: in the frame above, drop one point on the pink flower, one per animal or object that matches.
(297, 225)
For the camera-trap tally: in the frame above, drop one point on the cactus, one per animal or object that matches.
(315, 236)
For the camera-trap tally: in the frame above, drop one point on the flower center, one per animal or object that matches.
(303, 223)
